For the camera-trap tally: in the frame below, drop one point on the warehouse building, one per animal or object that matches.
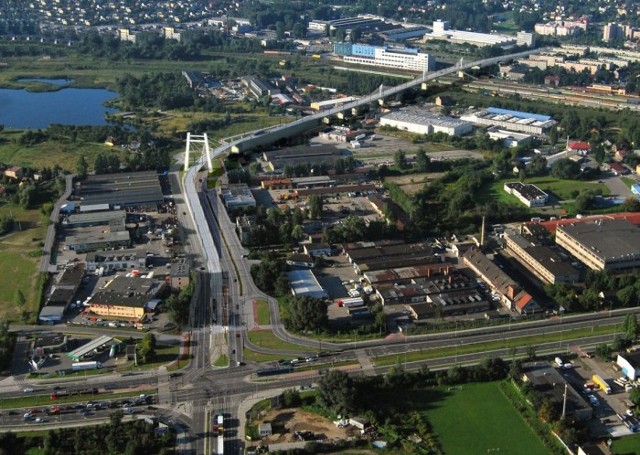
(509, 139)
(237, 196)
(92, 239)
(405, 275)
(347, 24)
(403, 33)
(294, 156)
(422, 122)
(115, 218)
(522, 122)
(126, 298)
(305, 284)
(602, 244)
(382, 257)
(259, 88)
(529, 195)
(139, 190)
(546, 264)
(442, 32)
(115, 260)
(629, 362)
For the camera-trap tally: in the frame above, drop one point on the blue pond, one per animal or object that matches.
(58, 82)
(69, 106)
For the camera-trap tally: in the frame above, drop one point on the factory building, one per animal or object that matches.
(602, 244)
(422, 122)
(442, 31)
(522, 122)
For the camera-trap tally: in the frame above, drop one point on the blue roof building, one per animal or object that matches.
(518, 114)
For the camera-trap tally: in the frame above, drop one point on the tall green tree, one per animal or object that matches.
(630, 328)
(336, 392)
(307, 314)
(82, 167)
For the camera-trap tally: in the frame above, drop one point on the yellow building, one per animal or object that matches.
(126, 298)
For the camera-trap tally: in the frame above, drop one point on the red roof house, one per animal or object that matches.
(579, 146)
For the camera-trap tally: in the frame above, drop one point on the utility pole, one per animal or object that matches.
(564, 402)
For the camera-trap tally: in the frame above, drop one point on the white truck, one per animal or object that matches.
(81, 366)
(559, 362)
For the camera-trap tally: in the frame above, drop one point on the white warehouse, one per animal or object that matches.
(425, 123)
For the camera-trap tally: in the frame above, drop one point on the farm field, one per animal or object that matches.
(472, 419)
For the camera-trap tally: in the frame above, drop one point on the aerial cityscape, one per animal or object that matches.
(308, 227)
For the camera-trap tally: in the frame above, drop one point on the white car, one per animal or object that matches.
(629, 412)
(27, 390)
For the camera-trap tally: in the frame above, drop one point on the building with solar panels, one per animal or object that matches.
(135, 190)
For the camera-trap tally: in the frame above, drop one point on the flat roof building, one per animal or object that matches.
(602, 244)
(529, 195)
(509, 139)
(115, 260)
(316, 155)
(92, 239)
(180, 275)
(125, 297)
(545, 263)
(423, 122)
(237, 196)
(523, 122)
(442, 31)
(89, 347)
(388, 57)
(114, 218)
(127, 189)
(305, 284)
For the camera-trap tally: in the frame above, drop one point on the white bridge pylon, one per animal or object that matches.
(200, 145)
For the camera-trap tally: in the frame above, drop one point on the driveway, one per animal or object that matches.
(616, 185)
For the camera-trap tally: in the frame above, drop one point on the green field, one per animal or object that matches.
(477, 418)
(266, 339)
(562, 189)
(629, 445)
(264, 318)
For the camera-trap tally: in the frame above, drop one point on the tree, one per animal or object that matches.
(307, 314)
(148, 347)
(603, 351)
(315, 207)
(537, 166)
(400, 159)
(336, 392)
(634, 396)
(82, 167)
(291, 398)
(566, 169)
(630, 328)
(422, 161)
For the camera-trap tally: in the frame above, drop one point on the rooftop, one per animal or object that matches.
(95, 217)
(304, 284)
(127, 291)
(424, 118)
(526, 190)
(610, 240)
(127, 188)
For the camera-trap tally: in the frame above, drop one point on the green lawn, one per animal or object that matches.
(252, 356)
(533, 340)
(477, 418)
(627, 181)
(629, 445)
(221, 362)
(264, 318)
(562, 189)
(41, 400)
(266, 339)
(163, 355)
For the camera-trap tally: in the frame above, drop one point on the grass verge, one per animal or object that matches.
(43, 400)
(221, 362)
(629, 445)
(264, 318)
(266, 339)
(472, 348)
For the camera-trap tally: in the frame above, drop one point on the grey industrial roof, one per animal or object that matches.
(424, 118)
(304, 283)
(94, 237)
(610, 240)
(526, 190)
(110, 256)
(71, 276)
(128, 188)
(51, 313)
(95, 217)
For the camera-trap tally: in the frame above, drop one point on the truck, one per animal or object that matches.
(82, 366)
(351, 303)
(360, 137)
(559, 362)
(597, 380)
(220, 445)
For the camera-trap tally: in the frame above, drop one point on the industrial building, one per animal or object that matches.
(180, 275)
(629, 362)
(548, 381)
(529, 195)
(442, 31)
(388, 57)
(509, 139)
(381, 256)
(330, 104)
(62, 294)
(443, 290)
(259, 88)
(305, 284)
(126, 297)
(545, 263)
(422, 122)
(403, 33)
(602, 244)
(522, 122)
(92, 239)
(316, 155)
(115, 260)
(512, 297)
(129, 189)
(237, 196)
(347, 24)
(115, 218)
(405, 275)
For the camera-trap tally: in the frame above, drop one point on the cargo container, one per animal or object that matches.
(597, 380)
